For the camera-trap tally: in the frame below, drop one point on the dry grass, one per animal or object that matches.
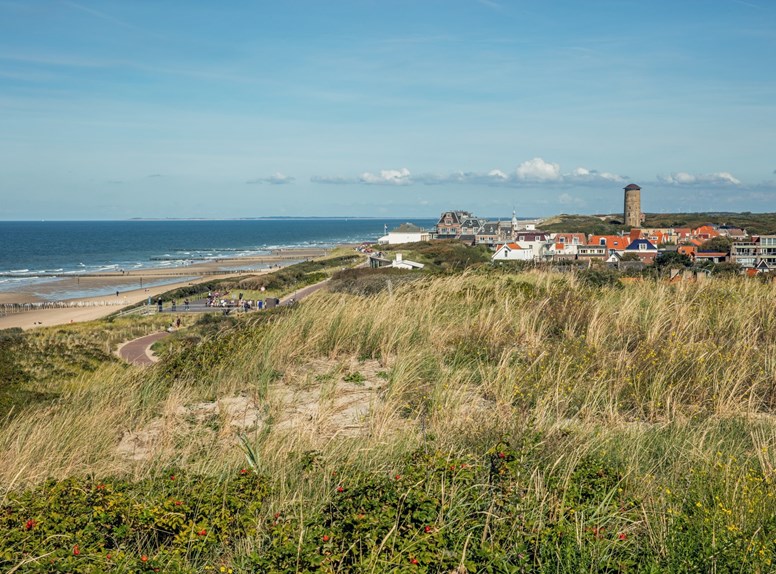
(665, 376)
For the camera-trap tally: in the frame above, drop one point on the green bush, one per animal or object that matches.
(172, 523)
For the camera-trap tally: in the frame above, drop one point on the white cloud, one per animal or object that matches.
(383, 177)
(585, 175)
(494, 176)
(537, 169)
(684, 178)
(276, 178)
(498, 175)
(387, 176)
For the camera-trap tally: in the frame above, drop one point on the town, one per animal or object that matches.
(707, 248)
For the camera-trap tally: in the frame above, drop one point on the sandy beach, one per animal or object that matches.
(101, 306)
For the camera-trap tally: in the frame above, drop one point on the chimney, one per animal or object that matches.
(398, 258)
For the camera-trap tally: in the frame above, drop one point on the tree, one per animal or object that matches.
(718, 244)
(672, 259)
(630, 257)
(726, 269)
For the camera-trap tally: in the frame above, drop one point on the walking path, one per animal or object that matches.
(138, 351)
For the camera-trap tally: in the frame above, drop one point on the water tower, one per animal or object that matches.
(632, 216)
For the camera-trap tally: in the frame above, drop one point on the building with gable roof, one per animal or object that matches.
(405, 233)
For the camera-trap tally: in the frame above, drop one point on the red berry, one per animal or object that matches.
(172, 477)
(414, 561)
(243, 471)
(144, 558)
(502, 455)
(202, 532)
(340, 489)
(427, 529)
(622, 536)
(397, 477)
(107, 556)
(325, 538)
(30, 524)
(178, 503)
(76, 550)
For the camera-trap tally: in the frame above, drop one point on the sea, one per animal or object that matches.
(37, 253)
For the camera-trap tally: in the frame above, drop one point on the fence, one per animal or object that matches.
(10, 308)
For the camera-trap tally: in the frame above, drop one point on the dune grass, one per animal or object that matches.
(534, 422)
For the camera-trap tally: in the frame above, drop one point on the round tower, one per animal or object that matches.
(632, 215)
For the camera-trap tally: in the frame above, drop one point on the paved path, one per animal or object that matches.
(303, 292)
(138, 351)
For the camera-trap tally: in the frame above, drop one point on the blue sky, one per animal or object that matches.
(141, 108)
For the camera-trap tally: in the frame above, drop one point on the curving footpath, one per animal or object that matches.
(138, 351)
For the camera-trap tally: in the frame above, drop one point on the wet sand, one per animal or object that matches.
(104, 305)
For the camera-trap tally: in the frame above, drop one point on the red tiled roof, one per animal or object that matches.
(612, 241)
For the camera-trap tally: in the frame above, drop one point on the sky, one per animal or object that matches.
(183, 108)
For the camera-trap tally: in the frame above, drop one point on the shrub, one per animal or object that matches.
(87, 525)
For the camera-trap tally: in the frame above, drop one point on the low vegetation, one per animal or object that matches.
(442, 256)
(509, 421)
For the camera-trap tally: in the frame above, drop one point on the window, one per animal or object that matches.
(602, 241)
(642, 246)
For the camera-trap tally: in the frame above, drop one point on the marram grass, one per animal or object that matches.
(535, 424)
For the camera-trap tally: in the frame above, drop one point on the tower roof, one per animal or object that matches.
(631, 187)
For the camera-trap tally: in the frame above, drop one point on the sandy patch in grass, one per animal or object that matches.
(321, 399)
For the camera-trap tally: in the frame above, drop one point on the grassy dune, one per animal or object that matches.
(509, 422)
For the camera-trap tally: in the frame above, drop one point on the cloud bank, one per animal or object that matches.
(275, 179)
(530, 172)
(684, 178)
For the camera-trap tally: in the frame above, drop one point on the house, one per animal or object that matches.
(644, 249)
(512, 252)
(569, 240)
(590, 252)
(538, 242)
(705, 232)
(611, 242)
(450, 224)
(733, 232)
(488, 234)
(401, 263)
(713, 256)
(683, 233)
(688, 250)
(376, 261)
(405, 233)
(469, 228)
(761, 249)
(568, 243)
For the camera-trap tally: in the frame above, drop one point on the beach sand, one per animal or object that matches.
(104, 305)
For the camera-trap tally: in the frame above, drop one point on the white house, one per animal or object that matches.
(401, 263)
(513, 252)
(405, 233)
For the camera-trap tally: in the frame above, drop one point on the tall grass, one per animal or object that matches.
(673, 385)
